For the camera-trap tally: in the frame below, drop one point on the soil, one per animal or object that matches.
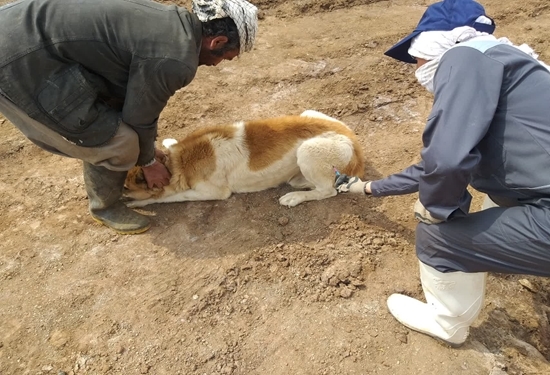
(245, 286)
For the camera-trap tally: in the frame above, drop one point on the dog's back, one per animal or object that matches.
(213, 162)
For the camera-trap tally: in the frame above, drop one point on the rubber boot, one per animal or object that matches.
(104, 188)
(454, 300)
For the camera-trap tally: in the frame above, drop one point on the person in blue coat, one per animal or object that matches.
(489, 128)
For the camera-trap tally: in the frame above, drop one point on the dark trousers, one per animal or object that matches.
(513, 240)
(119, 154)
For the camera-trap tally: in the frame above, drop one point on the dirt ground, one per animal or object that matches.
(246, 286)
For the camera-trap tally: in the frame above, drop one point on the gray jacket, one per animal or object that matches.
(489, 127)
(82, 66)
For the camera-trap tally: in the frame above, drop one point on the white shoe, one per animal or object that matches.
(454, 300)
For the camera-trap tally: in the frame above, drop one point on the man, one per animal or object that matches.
(88, 79)
(489, 127)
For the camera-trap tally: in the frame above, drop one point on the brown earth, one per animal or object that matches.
(245, 286)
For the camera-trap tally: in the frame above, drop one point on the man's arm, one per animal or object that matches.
(152, 82)
(405, 182)
(467, 91)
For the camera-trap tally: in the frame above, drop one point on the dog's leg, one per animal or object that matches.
(140, 194)
(300, 182)
(316, 158)
(201, 192)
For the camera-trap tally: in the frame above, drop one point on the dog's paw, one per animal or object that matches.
(292, 199)
(135, 204)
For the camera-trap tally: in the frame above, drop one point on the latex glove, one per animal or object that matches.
(156, 175)
(423, 215)
(347, 184)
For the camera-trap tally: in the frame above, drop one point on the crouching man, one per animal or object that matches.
(88, 79)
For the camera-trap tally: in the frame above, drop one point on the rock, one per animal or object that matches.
(58, 339)
(346, 292)
(283, 221)
(528, 285)
(144, 368)
(526, 349)
(327, 275)
(402, 337)
(371, 44)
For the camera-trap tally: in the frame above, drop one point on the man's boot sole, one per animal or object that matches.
(437, 338)
(136, 231)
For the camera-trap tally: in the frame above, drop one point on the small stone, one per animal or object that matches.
(373, 333)
(144, 368)
(327, 275)
(402, 337)
(527, 285)
(106, 368)
(283, 221)
(261, 14)
(346, 292)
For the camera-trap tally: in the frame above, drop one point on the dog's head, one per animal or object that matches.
(135, 180)
(135, 185)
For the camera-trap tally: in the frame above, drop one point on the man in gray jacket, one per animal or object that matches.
(88, 79)
(489, 128)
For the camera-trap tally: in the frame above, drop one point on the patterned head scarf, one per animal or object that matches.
(243, 13)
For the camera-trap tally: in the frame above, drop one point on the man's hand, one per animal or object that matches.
(423, 215)
(347, 184)
(156, 175)
(160, 155)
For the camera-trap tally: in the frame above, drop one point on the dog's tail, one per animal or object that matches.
(169, 142)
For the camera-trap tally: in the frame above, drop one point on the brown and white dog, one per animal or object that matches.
(214, 162)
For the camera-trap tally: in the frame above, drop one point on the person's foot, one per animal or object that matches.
(418, 316)
(121, 219)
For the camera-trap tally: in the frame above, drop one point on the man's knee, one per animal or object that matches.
(123, 148)
(432, 249)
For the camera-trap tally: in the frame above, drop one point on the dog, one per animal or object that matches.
(212, 163)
